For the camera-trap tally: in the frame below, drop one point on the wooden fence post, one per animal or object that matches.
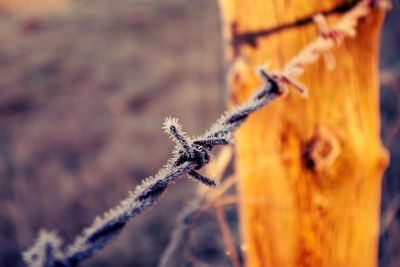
(310, 169)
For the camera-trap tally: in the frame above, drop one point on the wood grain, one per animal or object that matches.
(313, 165)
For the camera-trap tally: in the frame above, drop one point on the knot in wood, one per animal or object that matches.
(320, 151)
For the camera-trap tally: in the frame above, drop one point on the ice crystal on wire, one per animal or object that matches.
(45, 252)
(189, 156)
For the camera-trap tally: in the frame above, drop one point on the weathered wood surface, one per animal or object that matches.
(310, 169)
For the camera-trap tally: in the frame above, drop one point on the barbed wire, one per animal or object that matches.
(191, 154)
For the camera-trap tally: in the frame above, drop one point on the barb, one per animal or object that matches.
(189, 155)
(45, 251)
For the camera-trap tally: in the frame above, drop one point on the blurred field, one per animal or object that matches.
(83, 94)
(83, 97)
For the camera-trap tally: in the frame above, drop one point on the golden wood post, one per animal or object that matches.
(310, 169)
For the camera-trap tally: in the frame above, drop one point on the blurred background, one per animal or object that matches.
(84, 88)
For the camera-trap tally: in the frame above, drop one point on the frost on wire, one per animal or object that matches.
(189, 155)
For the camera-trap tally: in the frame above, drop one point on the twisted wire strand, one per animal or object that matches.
(329, 37)
(189, 155)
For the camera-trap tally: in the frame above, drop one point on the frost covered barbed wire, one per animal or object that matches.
(329, 37)
(189, 155)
